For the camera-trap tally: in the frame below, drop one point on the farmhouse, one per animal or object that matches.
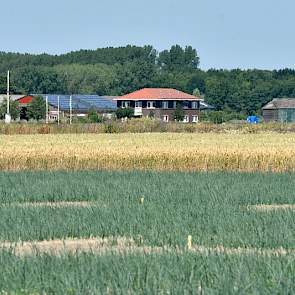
(161, 103)
(279, 110)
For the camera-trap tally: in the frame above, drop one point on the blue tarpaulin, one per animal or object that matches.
(253, 120)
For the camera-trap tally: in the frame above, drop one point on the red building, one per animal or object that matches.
(161, 103)
(25, 100)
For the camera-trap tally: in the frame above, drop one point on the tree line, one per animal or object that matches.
(117, 71)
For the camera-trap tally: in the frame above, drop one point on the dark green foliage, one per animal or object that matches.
(13, 109)
(117, 71)
(179, 59)
(125, 113)
(3, 85)
(37, 108)
(179, 113)
(219, 117)
(197, 92)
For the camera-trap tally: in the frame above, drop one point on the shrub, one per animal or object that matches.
(92, 116)
(124, 113)
(14, 109)
(219, 117)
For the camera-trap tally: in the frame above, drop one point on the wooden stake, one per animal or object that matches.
(189, 242)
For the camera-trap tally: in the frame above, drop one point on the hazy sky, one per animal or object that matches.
(226, 33)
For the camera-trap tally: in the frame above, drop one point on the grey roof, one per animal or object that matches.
(205, 106)
(280, 103)
(12, 97)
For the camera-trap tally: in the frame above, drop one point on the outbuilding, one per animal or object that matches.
(279, 110)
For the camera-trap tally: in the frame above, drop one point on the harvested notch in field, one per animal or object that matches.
(61, 204)
(272, 207)
(56, 247)
(124, 246)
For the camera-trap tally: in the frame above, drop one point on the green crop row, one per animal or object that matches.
(212, 207)
(146, 274)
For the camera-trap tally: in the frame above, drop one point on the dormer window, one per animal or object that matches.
(194, 104)
(165, 104)
(138, 104)
(151, 104)
(125, 104)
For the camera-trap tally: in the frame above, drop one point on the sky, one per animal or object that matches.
(226, 33)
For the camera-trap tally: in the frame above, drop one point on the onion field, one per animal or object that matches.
(126, 232)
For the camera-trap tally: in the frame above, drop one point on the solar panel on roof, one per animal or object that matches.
(81, 102)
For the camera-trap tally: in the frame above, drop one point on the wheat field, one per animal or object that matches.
(158, 151)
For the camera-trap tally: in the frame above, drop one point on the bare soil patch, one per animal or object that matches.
(124, 246)
(59, 204)
(272, 207)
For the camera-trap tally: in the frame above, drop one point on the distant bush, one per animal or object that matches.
(141, 125)
(125, 113)
(219, 117)
(93, 117)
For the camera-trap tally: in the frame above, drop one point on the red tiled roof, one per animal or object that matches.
(25, 99)
(158, 94)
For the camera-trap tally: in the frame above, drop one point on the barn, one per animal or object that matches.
(279, 110)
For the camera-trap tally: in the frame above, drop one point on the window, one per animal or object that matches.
(165, 104)
(194, 104)
(125, 104)
(174, 104)
(195, 119)
(186, 119)
(138, 104)
(166, 118)
(150, 104)
(53, 117)
(185, 104)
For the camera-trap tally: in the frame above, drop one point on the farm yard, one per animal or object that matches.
(111, 214)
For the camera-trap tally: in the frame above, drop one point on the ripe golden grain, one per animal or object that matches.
(165, 151)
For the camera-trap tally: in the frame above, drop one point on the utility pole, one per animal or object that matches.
(7, 115)
(46, 100)
(58, 110)
(70, 109)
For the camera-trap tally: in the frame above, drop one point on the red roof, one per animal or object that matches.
(25, 99)
(158, 94)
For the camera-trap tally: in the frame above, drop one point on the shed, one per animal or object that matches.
(279, 110)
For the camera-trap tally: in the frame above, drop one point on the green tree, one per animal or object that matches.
(178, 59)
(37, 108)
(179, 112)
(13, 109)
(197, 92)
